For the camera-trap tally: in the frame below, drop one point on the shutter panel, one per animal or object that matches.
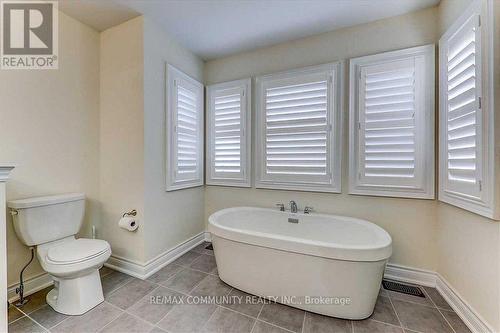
(297, 129)
(228, 127)
(463, 114)
(184, 131)
(187, 134)
(387, 123)
(392, 124)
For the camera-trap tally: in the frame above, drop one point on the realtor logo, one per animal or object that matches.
(29, 35)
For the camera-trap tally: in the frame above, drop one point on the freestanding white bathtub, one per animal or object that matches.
(331, 265)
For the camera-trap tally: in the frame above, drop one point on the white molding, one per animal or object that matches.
(410, 275)
(208, 236)
(5, 170)
(462, 308)
(145, 270)
(31, 285)
(469, 316)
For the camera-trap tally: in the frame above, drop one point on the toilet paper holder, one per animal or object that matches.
(133, 212)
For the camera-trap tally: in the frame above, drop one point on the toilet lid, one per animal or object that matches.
(77, 250)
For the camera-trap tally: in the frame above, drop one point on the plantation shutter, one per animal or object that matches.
(392, 124)
(387, 124)
(297, 129)
(187, 134)
(184, 131)
(463, 126)
(228, 160)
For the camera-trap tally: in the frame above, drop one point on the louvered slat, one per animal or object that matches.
(462, 107)
(187, 131)
(387, 122)
(296, 123)
(227, 134)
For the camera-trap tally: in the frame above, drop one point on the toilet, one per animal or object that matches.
(50, 223)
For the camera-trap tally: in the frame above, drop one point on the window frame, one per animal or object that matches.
(335, 99)
(425, 187)
(486, 202)
(173, 77)
(245, 86)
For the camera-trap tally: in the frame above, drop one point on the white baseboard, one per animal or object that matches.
(31, 285)
(145, 270)
(468, 315)
(208, 236)
(410, 275)
(432, 279)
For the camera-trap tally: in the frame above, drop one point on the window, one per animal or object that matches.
(228, 133)
(298, 134)
(184, 130)
(392, 124)
(466, 114)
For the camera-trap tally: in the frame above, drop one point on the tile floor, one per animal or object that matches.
(128, 308)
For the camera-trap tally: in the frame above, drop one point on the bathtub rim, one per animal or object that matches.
(323, 249)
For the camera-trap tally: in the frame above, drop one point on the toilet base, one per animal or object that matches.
(76, 296)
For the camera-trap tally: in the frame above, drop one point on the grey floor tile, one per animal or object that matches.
(202, 249)
(421, 318)
(228, 321)
(187, 258)
(157, 330)
(455, 322)
(211, 286)
(283, 316)
(47, 317)
(155, 305)
(383, 292)
(92, 321)
(187, 318)
(13, 313)
(103, 271)
(371, 326)
(36, 300)
(315, 323)
(262, 327)
(204, 263)
(185, 280)
(165, 273)
(437, 298)
(127, 323)
(245, 303)
(384, 311)
(25, 325)
(410, 298)
(130, 293)
(113, 281)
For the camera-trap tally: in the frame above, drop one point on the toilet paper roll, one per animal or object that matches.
(128, 223)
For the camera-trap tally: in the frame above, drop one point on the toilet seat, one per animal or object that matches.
(76, 251)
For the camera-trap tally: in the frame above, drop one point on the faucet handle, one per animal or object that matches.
(281, 206)
(308, 209)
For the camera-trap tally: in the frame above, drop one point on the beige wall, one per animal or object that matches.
(122, 136)
(469, 245)
(411, 223)
(49, 127)
(171, 217)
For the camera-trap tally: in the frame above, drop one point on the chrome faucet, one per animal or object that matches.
(281, 207)
(308, 210)
(293, 206)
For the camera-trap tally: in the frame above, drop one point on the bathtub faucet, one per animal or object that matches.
(293, 206)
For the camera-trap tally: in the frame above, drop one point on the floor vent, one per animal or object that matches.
(209, 247)
(402, 288)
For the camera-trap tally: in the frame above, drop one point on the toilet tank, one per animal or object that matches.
(44, 219)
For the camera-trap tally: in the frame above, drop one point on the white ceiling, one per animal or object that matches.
(217, 28)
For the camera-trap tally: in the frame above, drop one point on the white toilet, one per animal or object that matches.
(51, 223)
